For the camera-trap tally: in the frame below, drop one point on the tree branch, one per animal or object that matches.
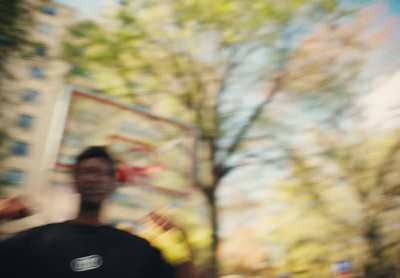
(254, 116)
(257, 162)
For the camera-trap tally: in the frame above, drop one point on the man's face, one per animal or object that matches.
(94, 180)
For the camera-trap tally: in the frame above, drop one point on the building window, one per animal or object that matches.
(47, 9)
(25, 121)
(30, 96)
(15, 176)
(77, 70)
(45, 29)
(41, 50)
(20, 148)
(37, 72)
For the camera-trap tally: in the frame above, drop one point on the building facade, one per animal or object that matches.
(33, 90)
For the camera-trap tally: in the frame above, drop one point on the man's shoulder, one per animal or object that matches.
(39, 229)
(26, 236)
(104, 234)
(126, 236)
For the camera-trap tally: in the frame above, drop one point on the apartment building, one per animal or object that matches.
(34, 88)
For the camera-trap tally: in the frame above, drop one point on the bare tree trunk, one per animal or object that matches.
(210, 194)
(377, 266)
(214, 224)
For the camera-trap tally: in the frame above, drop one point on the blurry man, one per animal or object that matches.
(85, 247)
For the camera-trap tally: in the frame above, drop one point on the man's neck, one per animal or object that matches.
(89, 214)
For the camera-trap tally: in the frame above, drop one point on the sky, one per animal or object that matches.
(86, 8)
(91, 8)
(394, 5)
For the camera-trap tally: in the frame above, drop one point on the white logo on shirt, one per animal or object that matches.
(86, 263)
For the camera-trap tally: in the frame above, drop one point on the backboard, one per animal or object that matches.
(156, 152)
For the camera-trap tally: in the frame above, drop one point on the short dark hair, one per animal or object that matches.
(93, 152)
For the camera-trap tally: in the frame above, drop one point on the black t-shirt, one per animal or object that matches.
(68, 250)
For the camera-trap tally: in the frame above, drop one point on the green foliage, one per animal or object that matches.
(189, 52)
(15, 19)
(340, 205)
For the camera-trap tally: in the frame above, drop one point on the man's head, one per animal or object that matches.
(94, 174)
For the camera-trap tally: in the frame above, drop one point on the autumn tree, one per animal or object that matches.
(340, 202)
(339, 191)
(217, 64)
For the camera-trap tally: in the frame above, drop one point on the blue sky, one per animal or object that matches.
(394, 5)
(89, 8)
(84, 8)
